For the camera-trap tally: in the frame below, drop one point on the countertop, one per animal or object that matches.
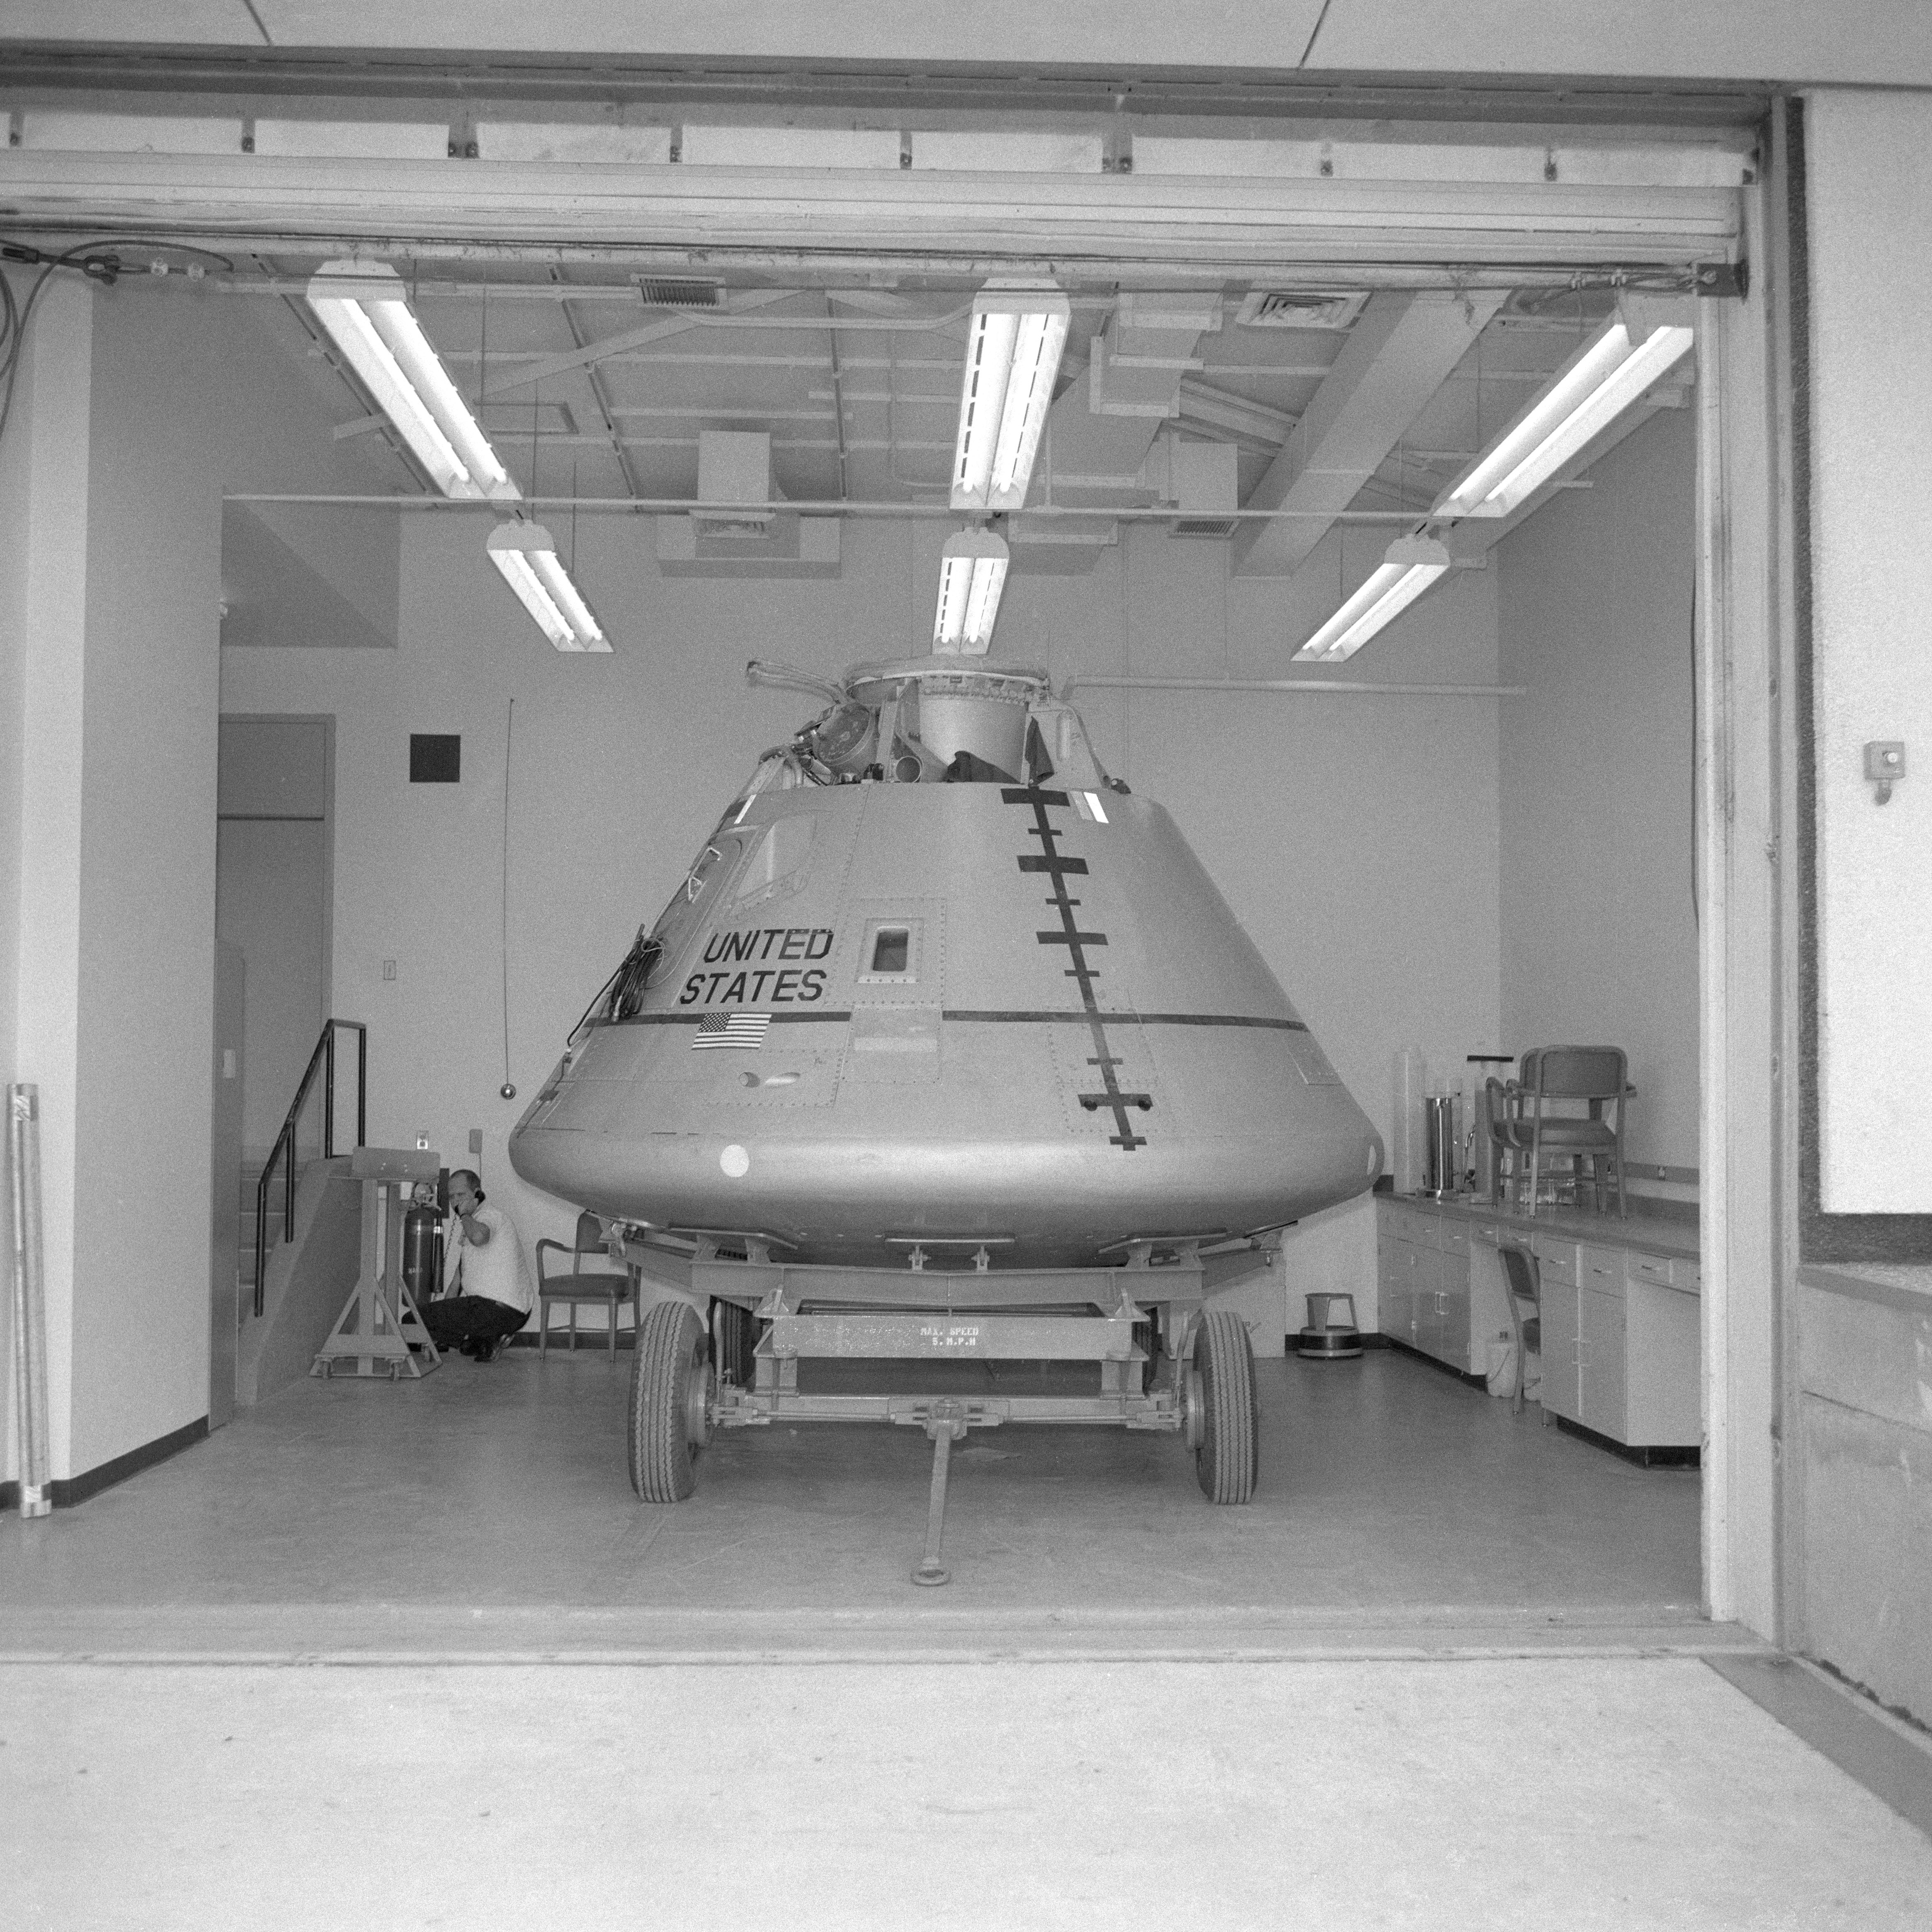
(1675, 1234)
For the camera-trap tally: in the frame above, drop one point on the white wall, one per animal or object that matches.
(1339, 828)
(45, 571)
(1869, 168)
(150, 399)
(1599, 929)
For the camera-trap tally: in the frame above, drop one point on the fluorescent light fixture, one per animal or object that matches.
(527, 558)
(1409, 567)
(364, 306)
(1594, 387)
(1012, 354)
(972, 574)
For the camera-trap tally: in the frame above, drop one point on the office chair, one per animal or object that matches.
(1522, 1288)
(1523, 1121)
(582, 1284)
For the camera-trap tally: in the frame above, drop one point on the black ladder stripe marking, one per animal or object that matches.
(1072, 1016)
(1050, 862)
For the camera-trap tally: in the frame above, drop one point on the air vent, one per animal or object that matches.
(1301, 308)
(1202, 526)
(680, 295)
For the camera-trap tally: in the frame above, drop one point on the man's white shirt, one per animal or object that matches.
(497, 1269)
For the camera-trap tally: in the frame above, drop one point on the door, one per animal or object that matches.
(1601, 1352)
(1561, 1386)
(1452, 1303)
(224, 1259)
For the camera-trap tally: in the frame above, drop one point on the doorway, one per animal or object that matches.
(274, 871)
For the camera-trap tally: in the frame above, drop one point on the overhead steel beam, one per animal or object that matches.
(1239, 415)
(1401, 351)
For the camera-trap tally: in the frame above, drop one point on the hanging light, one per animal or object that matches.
(530, 566)
(972, 574)
(1409, 567)
(365, 307)
(1598, 383)
(1013, 345)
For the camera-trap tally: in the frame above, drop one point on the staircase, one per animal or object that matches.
(252, 1166)
(300, 1188)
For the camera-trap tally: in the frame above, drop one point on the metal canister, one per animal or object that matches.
(1440, 1145)
(422, 1239)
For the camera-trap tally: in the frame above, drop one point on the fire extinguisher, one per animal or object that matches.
(422, 1251)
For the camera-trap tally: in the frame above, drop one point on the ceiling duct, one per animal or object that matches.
(743, 530)
(660, 294)
(1204, 485)
(734, 467)
(1301, 308)
(1100, 428)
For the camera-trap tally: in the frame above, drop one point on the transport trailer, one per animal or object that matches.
(947, 1049)
(722, 1347)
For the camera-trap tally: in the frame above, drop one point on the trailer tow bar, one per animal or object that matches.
(945, 1423)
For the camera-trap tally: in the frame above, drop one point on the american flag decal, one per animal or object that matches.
(731, 1029)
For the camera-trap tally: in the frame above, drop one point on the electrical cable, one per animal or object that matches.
(508, 1091)
(94, 258)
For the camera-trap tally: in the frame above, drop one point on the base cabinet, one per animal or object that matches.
(1422, 1278)
(1562, 1385)
(1600, 1364)
(1620, 1333)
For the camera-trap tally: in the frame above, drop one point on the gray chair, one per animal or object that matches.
(579, 1283)
(1533, 1118)
(1522, 1289)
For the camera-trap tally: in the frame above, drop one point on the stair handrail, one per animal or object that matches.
(323, 1058)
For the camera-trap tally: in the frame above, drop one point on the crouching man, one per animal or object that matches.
(486, 1281)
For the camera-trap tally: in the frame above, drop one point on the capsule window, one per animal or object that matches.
(891, 952)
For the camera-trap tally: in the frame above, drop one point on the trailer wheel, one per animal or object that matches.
(670, 1388)
(1225, 1463)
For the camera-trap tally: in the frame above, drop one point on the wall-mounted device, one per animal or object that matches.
(1884, 765)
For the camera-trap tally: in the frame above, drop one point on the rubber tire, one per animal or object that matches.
(1226, 1463)
(671, 1349)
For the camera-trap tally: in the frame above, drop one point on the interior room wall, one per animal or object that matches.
(1870, 185)
(1598, 924)
(1354, 837)
(45, 572)
(185, 393)
(1859, 1540)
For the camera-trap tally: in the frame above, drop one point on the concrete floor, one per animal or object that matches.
(1387, 1488)
(414, 1656)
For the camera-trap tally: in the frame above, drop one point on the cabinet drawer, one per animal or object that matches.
(1602, 1269)
(1688, 1276)
(1455, 1236)
(1649, 1267)
(1555, 1260)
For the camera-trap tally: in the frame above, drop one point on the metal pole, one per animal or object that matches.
(30, 1337)
(362, 1086)
(945, 1423)
(328, 1094)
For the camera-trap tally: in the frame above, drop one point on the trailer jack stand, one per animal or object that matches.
(945, 1424)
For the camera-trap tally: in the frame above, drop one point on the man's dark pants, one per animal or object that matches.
(460, 1320)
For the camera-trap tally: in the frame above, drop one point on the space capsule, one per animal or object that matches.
(941, 1019)
(934, 975)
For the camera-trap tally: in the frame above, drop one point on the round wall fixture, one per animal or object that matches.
(736, 1161)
